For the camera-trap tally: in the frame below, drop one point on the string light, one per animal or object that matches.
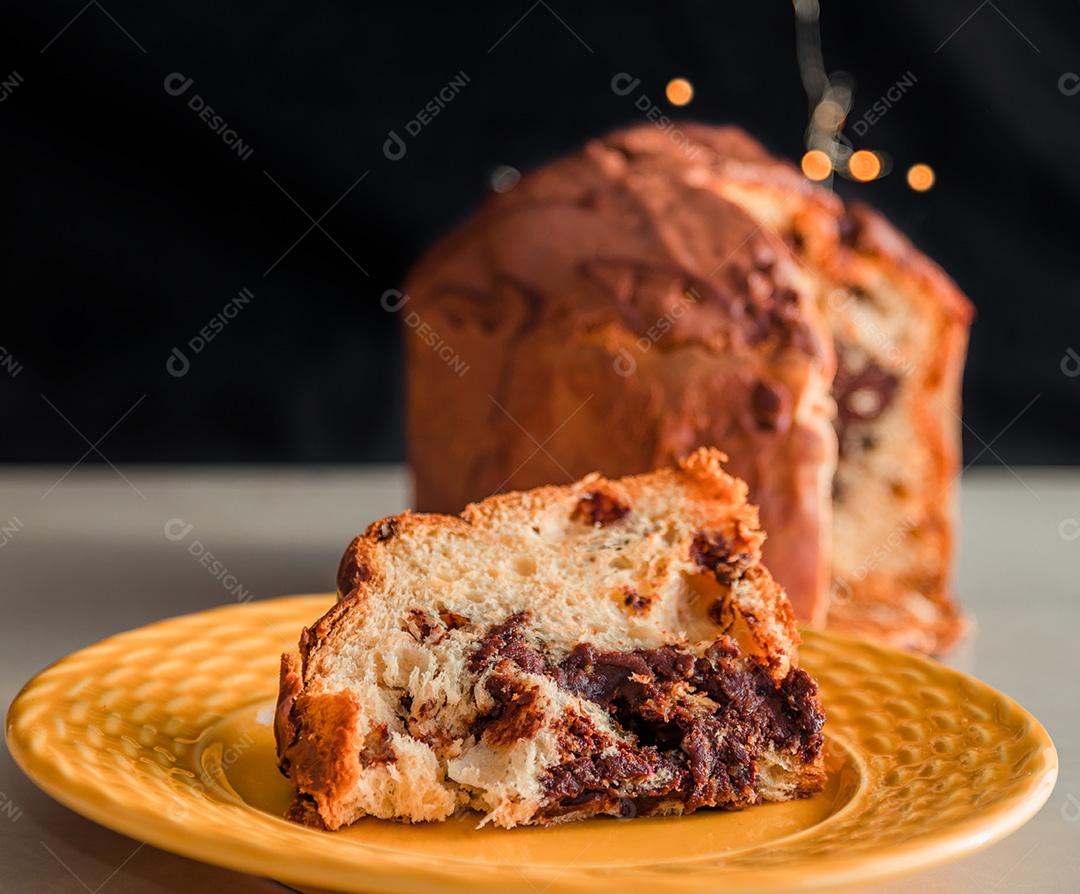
(816, 165)
(829, 96)
(920, 177)
(829, 115)
(864, 165)
(679, 91)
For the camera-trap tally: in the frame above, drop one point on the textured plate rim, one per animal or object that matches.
(983, 828)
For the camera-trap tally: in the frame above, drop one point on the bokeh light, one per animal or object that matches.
(920, 177)
(816, 165)
(829, 115)
(679, 91)
(864, 165)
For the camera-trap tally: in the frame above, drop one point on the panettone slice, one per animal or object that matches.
(607, 647)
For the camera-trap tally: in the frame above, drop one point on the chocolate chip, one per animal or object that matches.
(388, 528)
(720, 613)
(767, 403)
(418, 624)
(849, 229)
(839, 490)
(600, 509)
(633, 600)
(452, 620)
(861, 396)
(713, 552)
(377, 748)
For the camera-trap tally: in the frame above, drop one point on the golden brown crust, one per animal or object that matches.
(358, 567)
(875, 237)
(314, 636)
(814, 778)
(305, 811)
(290, 684)
(323, 759)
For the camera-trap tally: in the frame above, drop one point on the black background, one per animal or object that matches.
(129, 224)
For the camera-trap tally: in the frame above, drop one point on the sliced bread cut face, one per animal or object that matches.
(608, 647)
(899, 326)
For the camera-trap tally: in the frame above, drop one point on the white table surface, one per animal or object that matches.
(91, 558)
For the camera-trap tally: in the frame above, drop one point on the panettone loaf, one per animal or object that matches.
(608, 647)
(624, 305)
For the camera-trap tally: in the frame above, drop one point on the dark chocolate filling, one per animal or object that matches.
(699, 754)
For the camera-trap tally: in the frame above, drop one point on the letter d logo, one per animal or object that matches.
(177, 529)
(1070, 363)
(176, 84)
(177, 365)
(1070, 810)
(394, 148)
(393, 300)
(624, 363)
(623, 84)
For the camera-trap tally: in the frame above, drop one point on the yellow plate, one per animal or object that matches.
(164, 734)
